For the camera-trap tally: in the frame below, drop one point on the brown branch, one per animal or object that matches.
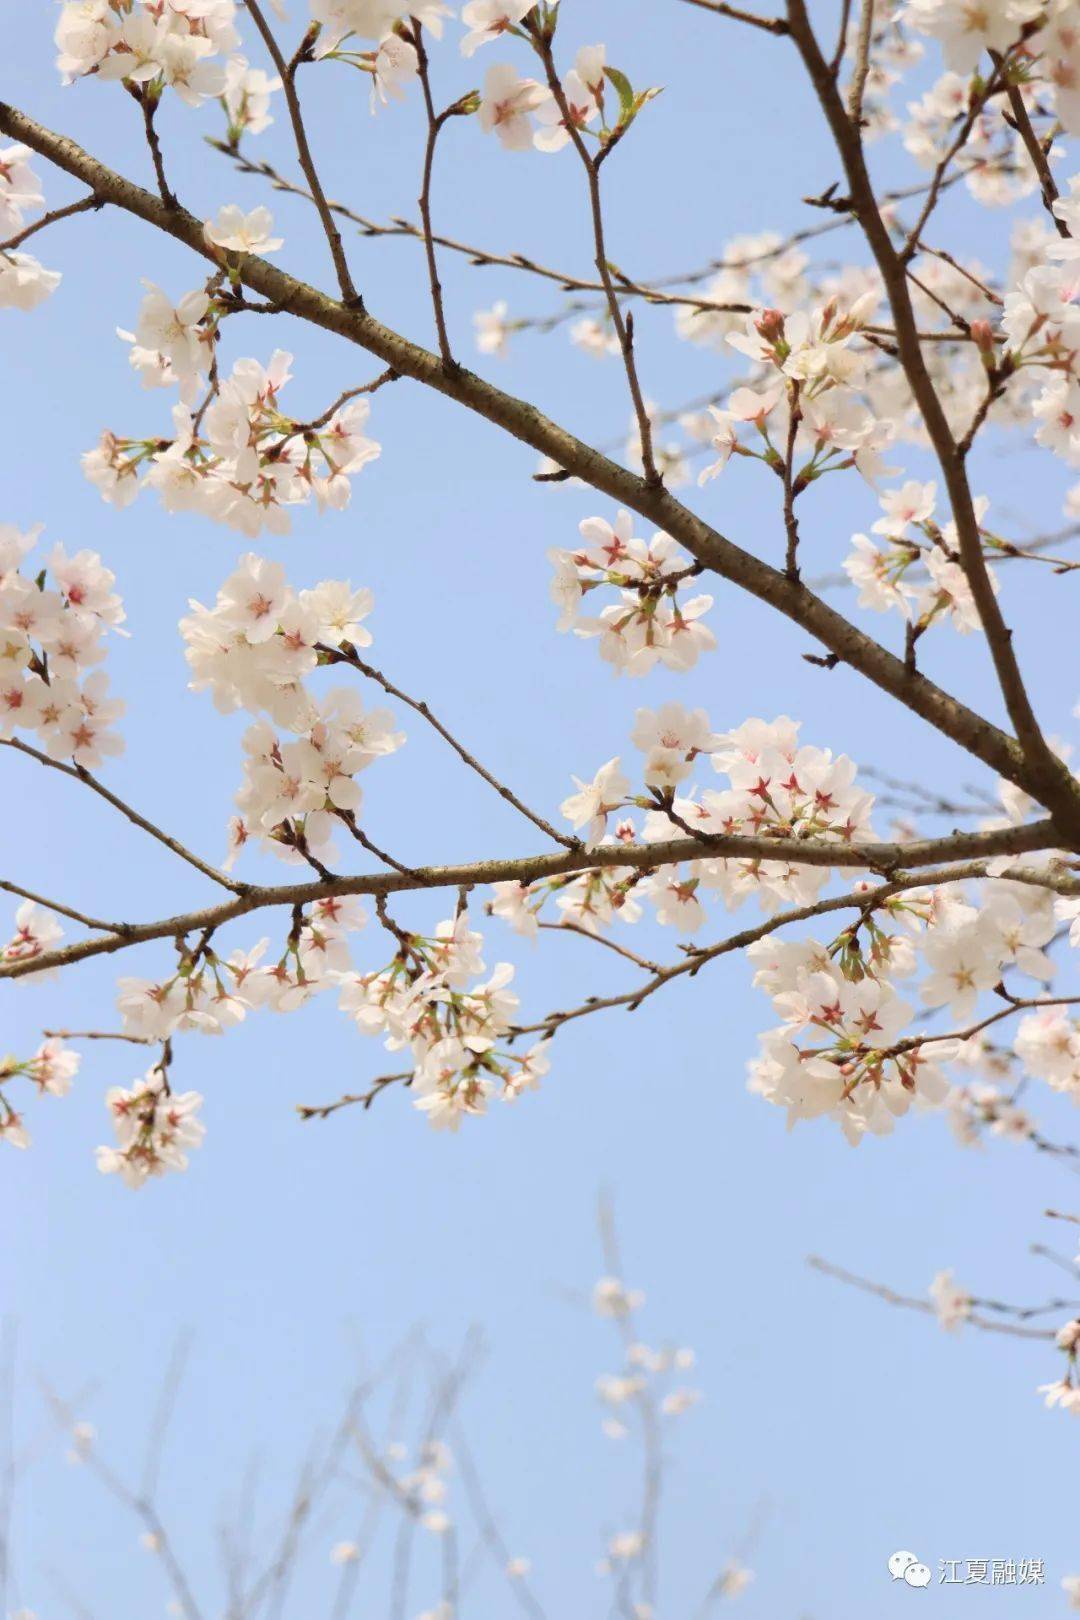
(1057, 788)
(893, 858)
(938, 180)
(720, 8)
(287, 73)
(482, 258)
(149, 105)
(63, 911)
(841, 38)
(80, 207)
(791, 522)
(947, 258)
(698, 956)
(353, 659)
(80, 775)
(1021, 122)
(98, 1035)
(602, 939)
(523, 421)
(365, 1099)
(435, 123)
(862, 64)
(302, 428)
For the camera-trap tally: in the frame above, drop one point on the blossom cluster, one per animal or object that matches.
(253, 650)
(809, 365)
(208, 993)
(912, 540)
(155, 1127)
(647, 624)
(991, 161)
(149, 44)
(1064, 1392)
(1041, 325)
(53, 625)
(844, 1048)
(24, 282)
(51, 1069)
(777, 788)
(238, 459)
(966, 31)
(455, 1029)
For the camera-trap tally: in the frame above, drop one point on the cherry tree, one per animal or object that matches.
(906, 970)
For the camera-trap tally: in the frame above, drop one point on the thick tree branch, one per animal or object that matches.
(1058, 789)
(522, 420)
(888, 858)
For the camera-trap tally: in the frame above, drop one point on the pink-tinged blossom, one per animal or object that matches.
(507, 104)
(155, 1128)
(594, 801)
(236, 232)
(24, 282)
(490, 19)
(19, 188)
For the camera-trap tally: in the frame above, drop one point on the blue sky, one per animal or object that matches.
(853, 1430)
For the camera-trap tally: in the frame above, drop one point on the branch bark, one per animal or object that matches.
(1050, 784)
(887, 858)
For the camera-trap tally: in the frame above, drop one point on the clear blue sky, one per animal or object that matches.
(862, 1430)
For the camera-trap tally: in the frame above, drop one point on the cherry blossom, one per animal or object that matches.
(507, 103)
(594, 801)
(952, 1305)
(649, 623)
(489, 19)
(50, 1070)
(493, 330)
(154, 1128)
(24, 281)
(238, 232)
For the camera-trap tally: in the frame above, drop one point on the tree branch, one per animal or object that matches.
(353, 659)
(287, 73)
(522, 420)
(79, 775)
(528, 868)
(1058, 790)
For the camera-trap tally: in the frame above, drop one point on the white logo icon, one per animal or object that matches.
(904, 1566)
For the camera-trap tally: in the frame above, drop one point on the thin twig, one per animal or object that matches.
(81, 207)
(353, 659)
(624, 328)
(81, 775)
(434, 125)
(64, 911)
(906, 1302)
(287, 73)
